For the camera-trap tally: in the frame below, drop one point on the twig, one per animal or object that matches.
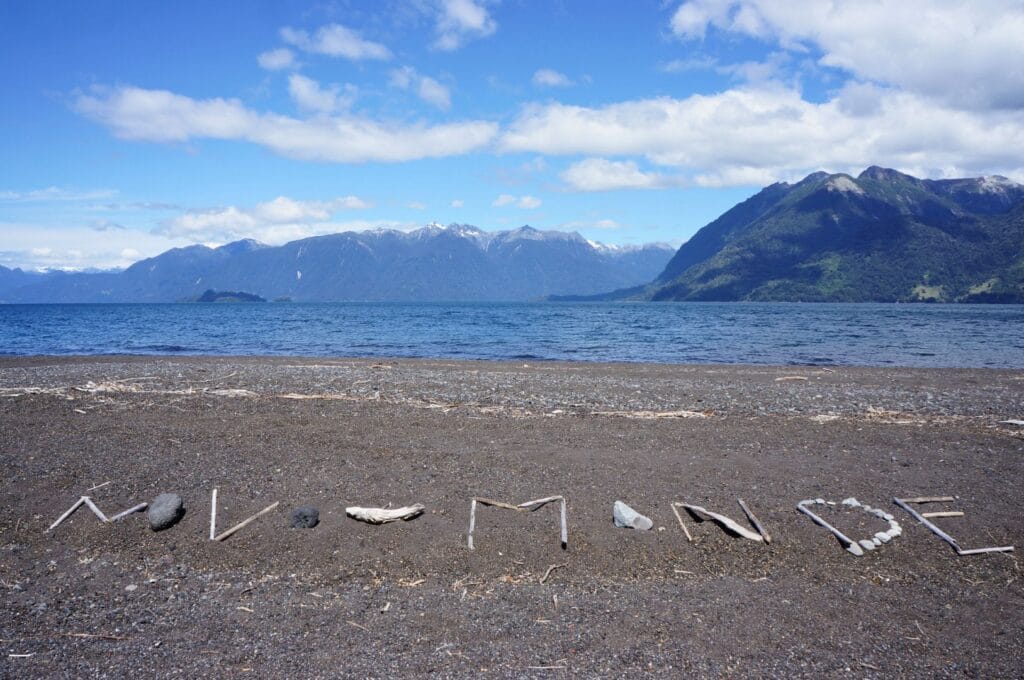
(929, 499)
(135, 508)
(96, 636)
(247, 521)
(361, 627)
(93, 488)
(213, 515)
(726, 523)
(551, 569)
(681, 524)
(96, 511)
(951, 513)
(753, 520)
(67, 514)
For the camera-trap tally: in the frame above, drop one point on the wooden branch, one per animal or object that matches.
(247, 521)
(728, 524)
(929, 499)
(95, 510)
(979, 551)
(951, 513)
(135, 508)
(539, 503)
(680, 518)
(565, 525)
(384, 515)
(551, 569)
(499, 504)
(753, 520)
(66, 514)
(472, 522)
(902, 502)
(847, 542)
(213, 514)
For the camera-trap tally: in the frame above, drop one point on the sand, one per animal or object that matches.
(409, 598)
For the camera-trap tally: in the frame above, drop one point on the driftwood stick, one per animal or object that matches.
(979, 551)
(929, 499)
(551, 569)
(847, 542)
(902, 502)
(753, 520)
(679, 517)
(472, 522)
(95, 510)
(498, 504)
(67, 514)
(213, 514)
(135, 508)
(565, 525)
(539, 503)
(951, 513)
(247, 521)
(385, 515)
(728, 524)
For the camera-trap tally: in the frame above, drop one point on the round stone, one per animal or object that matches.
(165, 511)
(305, 517)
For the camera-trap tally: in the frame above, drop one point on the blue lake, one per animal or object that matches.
(749, 333)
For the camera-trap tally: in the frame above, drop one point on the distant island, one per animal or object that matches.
(883, 236)
(226, 296)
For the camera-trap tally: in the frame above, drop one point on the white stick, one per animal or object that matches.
(753, 520)
(951, 513)
(384, 515)
(134, 508)
(247, 521)
(680, 518)
(979, 551)
(937, 531)
(213, 514)
(96, 511)
(565, 527)
(539, 503)
(472, 522)
(725, 522)
(66, 514)
(843, 538)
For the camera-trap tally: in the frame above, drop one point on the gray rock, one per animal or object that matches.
(165, 511)
(866, 544)
(627, 517)
(305, 517)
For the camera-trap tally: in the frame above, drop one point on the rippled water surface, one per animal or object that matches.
(753, 333)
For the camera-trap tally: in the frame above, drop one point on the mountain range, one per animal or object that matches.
(883, 236)
(454, 263)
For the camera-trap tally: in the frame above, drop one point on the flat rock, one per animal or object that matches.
(626, 517)
(305, 517)
(165, 511)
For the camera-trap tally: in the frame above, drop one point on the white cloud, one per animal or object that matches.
(457, 203)
(231, 222)
(335, 40)
(460, 20)
(276, 60)
(39, 246)
(162, 116)
(758, 134)
(426, 88)
(962, 52)
(310, 96)
(600, 174)
(56, 194)
(418, 205)
(546, 77)
(524, 202)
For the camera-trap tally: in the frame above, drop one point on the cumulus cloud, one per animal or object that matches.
(310, 96)
(163, 116)
(41, 246)
(962, 52)
(276, 60)
(759, 134)
(335, 40)
(546, 77)
(457, 203)
(600, 174)
(270, 221)
(426, 88)
(461, 20)
(524, 202)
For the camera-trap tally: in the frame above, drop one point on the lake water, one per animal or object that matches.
(749, 333)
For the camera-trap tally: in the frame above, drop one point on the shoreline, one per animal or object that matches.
(382, 600)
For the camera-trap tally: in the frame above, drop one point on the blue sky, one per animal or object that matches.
(131, 128)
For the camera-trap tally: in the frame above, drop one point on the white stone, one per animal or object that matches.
(866, 544)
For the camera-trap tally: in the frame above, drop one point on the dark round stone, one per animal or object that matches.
(305, 517)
